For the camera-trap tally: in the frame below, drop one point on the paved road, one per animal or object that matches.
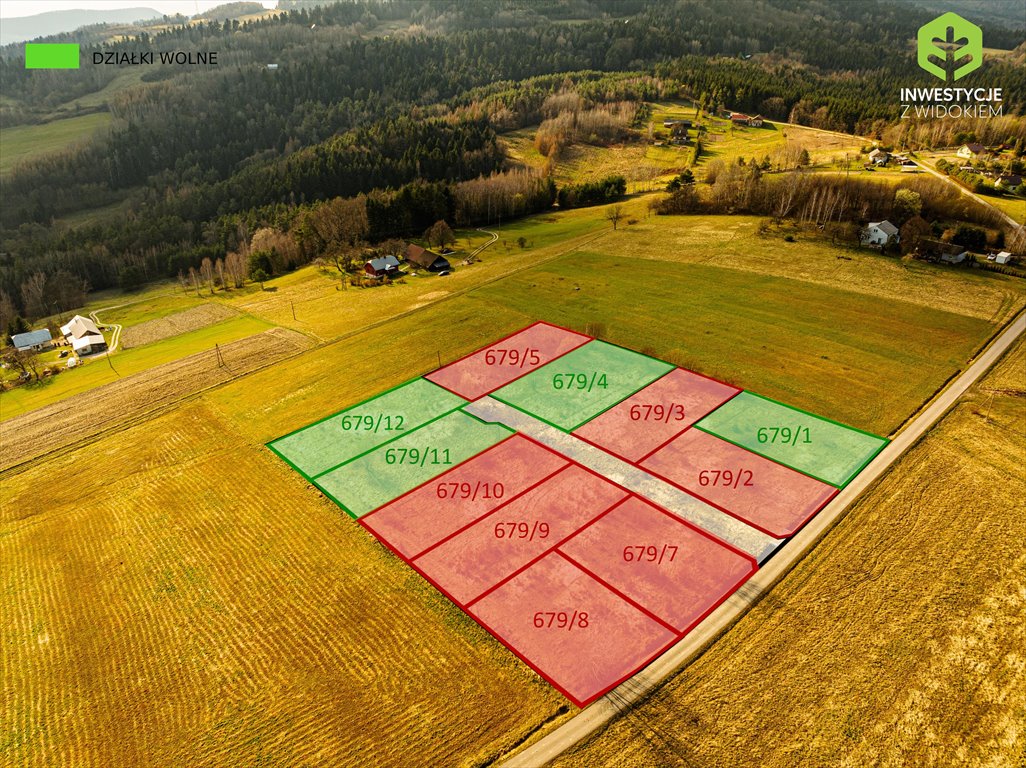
(967, 192)
(602, 711)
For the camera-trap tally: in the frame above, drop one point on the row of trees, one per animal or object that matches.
(822, 199)
(586, 193)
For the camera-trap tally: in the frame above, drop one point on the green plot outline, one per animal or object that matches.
(884, 442)
(442, 391)
(568, 430)
(442, 470)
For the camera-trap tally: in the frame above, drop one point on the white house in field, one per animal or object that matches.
(83, 336)
(879, 157)
(880, 234)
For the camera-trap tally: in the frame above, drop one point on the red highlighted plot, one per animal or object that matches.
(649, 418)
(569, 628)
(442, 506)
(665, 566)
(769, 496)
(468, 564)
(506, 360)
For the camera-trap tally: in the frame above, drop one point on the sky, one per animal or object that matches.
(12, 8)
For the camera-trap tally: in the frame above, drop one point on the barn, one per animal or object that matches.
(34, 340)
(425, 259)
(385, 267)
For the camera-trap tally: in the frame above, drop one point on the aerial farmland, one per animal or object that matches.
(509, 386)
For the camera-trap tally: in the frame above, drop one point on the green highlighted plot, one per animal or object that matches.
(368, 481)
(51, 56)
(824, 449)
(339, 438)
(580, 385)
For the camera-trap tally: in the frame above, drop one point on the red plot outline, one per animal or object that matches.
(587, 340)
(467, 607)
(436, 478)
(726, 511)
(663, 444)
(580, 703)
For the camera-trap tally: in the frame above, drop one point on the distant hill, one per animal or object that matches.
(1006, 13)
(23, 28)
(231, 11)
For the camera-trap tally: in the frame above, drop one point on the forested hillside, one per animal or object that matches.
(403, 100)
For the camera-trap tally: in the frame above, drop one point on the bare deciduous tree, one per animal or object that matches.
(614, 213)
(24, 360)
(33, 292)
(207, 271)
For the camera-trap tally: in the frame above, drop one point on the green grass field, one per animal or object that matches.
(97, 372)
(24, 142)
(862, 360)
(792, 321)
(1013, 206)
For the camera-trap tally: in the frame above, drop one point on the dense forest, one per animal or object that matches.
(401, 102)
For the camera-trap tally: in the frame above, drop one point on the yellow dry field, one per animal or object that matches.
(734, 242)
(636, 161)
(901, 639)
(175, 595)
(57, 426)
(311, 300)
(172, 325)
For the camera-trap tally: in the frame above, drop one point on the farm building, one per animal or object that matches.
(679, 131)
(948, 253)
(880, 234)
(971, 151)
(385, 267)
(1008, 181)
(83, 335)
(671, 124)
(739, 118)
(34, 340)
(425, 259)
(1004, 258)
(878, 157)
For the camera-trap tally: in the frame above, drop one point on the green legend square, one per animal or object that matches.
(51, 55)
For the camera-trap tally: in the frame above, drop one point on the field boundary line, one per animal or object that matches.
(22, 466)
(590, 721)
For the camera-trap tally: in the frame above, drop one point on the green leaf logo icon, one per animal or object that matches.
(950, 46)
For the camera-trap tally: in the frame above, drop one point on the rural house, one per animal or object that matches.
(83, 335)
(425, 259)
(678, 130)
(971, 151)
(385, 267)
(738, 118)
(878, 157)
(880, 234)
(947, 253)
(1008, 181)
(34, 340)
